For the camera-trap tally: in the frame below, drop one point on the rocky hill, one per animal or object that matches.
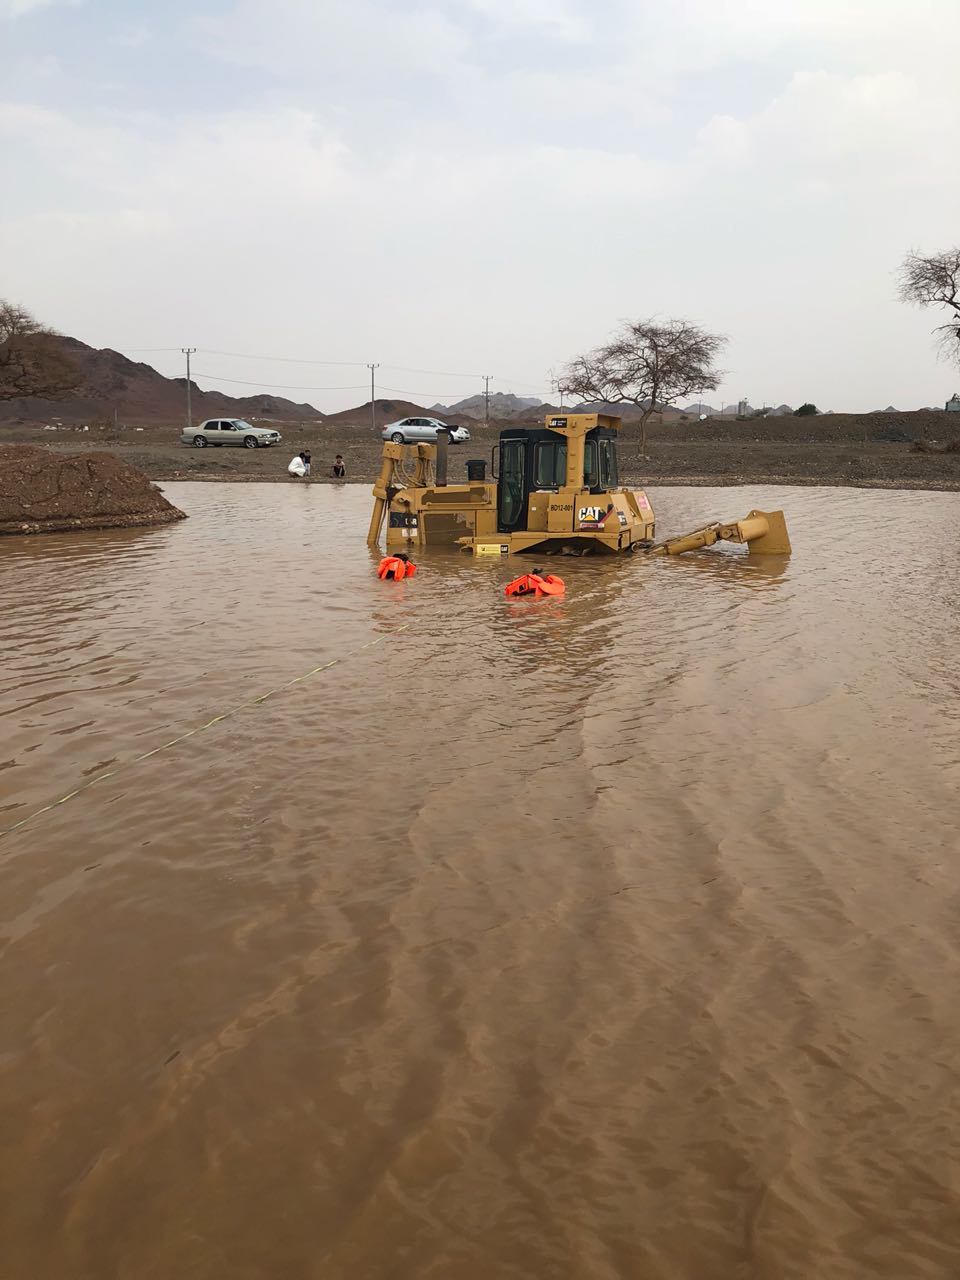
(503, 406)
(625, 412)
(138, 393)
(391, 411)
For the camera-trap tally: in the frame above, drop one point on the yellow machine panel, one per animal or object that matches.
(554, 489)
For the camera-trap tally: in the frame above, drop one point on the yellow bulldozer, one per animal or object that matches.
(554, 489)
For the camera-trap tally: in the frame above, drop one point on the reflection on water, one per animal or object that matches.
(597, 937)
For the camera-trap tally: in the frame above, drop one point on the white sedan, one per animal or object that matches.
(220, 431)
(415, 430)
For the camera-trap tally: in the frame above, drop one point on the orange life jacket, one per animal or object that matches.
(536, 585)
(395, 568)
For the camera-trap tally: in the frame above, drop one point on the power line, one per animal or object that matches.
(402, 391)
(236, 355)
(516, 382)
(355, 364)
(359, 386)
(331, 364)
(432, 373)
(274, 386)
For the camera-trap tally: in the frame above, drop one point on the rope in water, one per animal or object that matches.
(224, 715)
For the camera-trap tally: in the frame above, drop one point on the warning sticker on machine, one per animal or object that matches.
(643, 501)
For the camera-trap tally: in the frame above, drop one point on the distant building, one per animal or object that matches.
(953, 404)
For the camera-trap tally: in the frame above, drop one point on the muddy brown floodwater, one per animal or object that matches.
(614, 936)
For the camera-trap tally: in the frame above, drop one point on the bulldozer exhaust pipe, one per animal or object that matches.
(443, 445)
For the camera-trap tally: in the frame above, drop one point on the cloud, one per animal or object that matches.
(875, 132)
(17, 8)
(132, 35)
(371, 45)
(553, 16)
(236, 160)
(428, 182)
(696, 35)
(11, 9)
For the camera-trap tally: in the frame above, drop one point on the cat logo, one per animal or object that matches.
(558, 422)
(597, 517)
(592, 517)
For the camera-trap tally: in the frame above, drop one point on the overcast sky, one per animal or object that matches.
(483, 186)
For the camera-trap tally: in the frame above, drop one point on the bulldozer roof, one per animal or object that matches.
(582, 421)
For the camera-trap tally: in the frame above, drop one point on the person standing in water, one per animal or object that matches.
(339, 470)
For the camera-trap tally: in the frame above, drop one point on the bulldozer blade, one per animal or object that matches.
(776, 540)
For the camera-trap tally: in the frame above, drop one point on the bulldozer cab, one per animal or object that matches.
(555, 488)
(539, 461)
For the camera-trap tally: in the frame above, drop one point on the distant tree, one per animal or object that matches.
(648, 363)
(32, 361)
(934, 281)
(806, 411)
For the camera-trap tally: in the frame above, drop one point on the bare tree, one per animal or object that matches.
(935, 282)
(647, 363)
(32, 359)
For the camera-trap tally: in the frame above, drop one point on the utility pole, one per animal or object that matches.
(486, 398)
(188, 352)
(373, 395)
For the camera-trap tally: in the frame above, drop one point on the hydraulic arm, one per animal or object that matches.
(764, 531)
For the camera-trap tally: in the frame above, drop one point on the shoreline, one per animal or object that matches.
(729, 461)
(652, 481)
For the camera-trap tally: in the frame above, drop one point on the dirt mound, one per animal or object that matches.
(44, 492)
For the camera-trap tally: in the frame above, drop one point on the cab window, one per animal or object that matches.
(609, 479)
(550, 464)
(591, 474)
(512, 453)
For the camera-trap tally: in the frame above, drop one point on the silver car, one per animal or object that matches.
(218, 431)
(414, 430)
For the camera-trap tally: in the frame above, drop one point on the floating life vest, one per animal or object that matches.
(535, 584)
(396, 567)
